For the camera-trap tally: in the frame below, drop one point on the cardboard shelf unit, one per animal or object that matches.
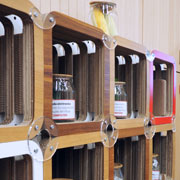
(94, 78)
(163, 147)
(164, 87)
(135, 73)
(17, 68)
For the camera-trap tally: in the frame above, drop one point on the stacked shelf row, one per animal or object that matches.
(30, 61)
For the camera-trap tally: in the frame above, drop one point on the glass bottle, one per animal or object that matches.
(104, 16)
(155, 168)
(118, 175)
(120, 103)
(63, 105)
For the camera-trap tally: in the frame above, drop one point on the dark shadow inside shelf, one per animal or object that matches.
(16, 67)
(19, 167)
(79, 57)
(79, 163)
(131, 69)
(130, 152)
(162, 88)
(163, 149)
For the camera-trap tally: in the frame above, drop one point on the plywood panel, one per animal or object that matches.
(55, 5)
(81, 10)
(87, 10)
(73, 8)
(130, 19)
(174, 35)
(156, 25)
(64, 6)
(45, 6)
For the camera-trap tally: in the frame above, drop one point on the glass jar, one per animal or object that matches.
(104, 16)
(118, 175)
(120, 104)
(63, 106)
(155, 168)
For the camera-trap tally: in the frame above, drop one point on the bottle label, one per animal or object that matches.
(63, 109)
(155, 175)
(120, 108)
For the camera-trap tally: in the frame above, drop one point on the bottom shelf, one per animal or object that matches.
(79, 163)
(19, 167)
(163, 148)
(130, 152)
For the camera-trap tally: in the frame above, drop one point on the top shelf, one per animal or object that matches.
(93, 75)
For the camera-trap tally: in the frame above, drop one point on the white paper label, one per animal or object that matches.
(63, 109)
(120, 108)
(155, 175)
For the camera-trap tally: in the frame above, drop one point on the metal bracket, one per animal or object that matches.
(109, 42)
(43, 132)
(43, 21)
(150, 56)
(149, 128)
(109, 133)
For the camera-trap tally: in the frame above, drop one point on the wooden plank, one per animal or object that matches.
(21, 5)
(111, 163)
(48, 73)
(129, 123)
(164, 127)
(47, 170)
(77, 26)
(106, 163)
(77, 128)
(107, 83)
(130, 46)
(149, 148)
(78, 139)
(112, 80)
(39, 72)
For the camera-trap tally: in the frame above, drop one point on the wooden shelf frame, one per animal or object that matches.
(81, 132)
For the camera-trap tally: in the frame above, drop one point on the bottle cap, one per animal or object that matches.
(117, 165)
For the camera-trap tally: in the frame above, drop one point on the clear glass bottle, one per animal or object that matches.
(104, 16)
(118, 175)
(155, 168)
(63, 105)
(120, 103)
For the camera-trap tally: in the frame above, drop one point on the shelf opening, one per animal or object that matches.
(79, 163)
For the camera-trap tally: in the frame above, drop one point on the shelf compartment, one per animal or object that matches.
(19, 167)
(17, 68)
(164, 87)
(135, 74)
(87, 68)
(163, 146)
(132, 155)
(79, 163)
